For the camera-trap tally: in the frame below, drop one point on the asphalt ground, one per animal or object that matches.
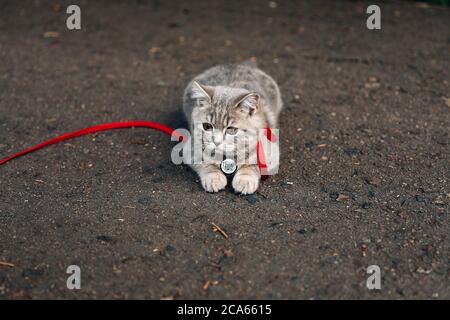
(364, 175)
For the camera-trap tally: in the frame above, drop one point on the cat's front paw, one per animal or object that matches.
(213, 181)
(245, 183)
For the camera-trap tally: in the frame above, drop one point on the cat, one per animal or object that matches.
(227, 104)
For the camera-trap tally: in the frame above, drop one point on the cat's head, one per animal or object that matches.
(227, 117)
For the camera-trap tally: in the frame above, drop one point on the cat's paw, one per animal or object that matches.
(213, 181)
(245, 183)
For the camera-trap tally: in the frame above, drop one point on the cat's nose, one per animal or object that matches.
(217, 139)
(217, 142)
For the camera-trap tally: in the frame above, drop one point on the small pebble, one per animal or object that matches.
(170, 248)
(51, 34)
(342, 197)
(374, 181)
(251, 198)
(154, 50)
(104, 238)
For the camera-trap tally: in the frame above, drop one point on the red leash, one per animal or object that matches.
(121, 125)
(93, 129)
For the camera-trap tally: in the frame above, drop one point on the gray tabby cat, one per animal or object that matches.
(228, 103)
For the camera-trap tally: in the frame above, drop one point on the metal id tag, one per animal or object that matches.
(228, 166)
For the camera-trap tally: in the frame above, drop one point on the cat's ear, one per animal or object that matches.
(200, 91)
(249, 103)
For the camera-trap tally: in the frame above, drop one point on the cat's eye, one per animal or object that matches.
(207, 126)
(232, 131)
